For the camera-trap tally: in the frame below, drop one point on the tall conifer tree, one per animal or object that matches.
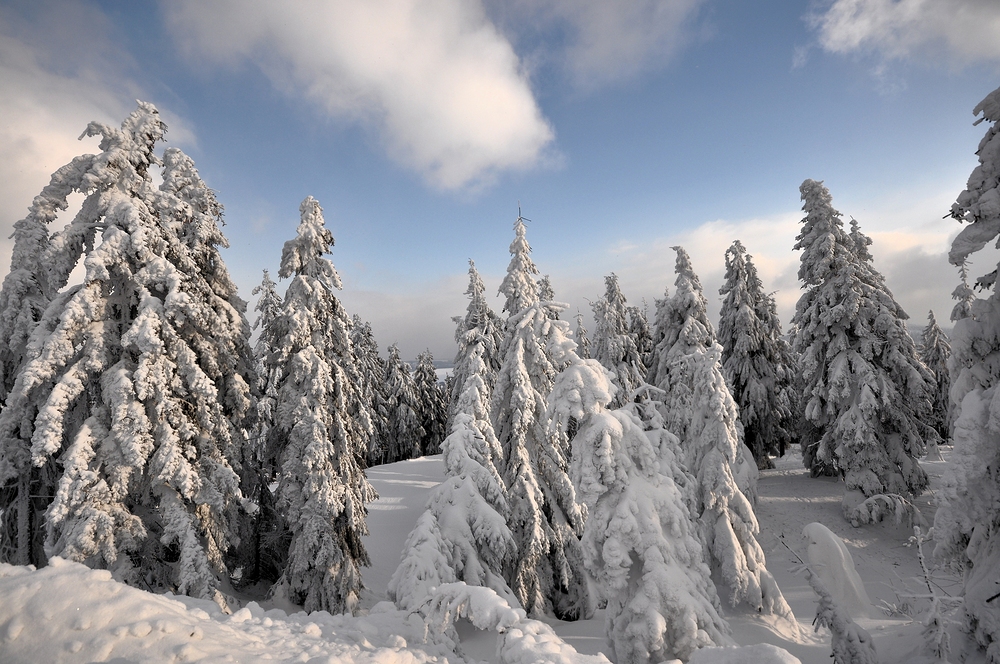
(480, 326)
(935, 350)
(322, 491)
(403, 429)
(614, 346)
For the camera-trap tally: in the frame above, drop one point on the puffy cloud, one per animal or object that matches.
(443, 87)
(598, 42)
(964, 29)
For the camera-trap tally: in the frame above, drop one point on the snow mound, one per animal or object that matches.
(831, 562)
(67, 612)
(761, 653)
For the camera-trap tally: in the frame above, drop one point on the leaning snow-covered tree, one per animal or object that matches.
(480, 326)
(935, 349)
(546, 574)
(403, 431)
(639, 543)
(753, 358)
(614, 346)
(464, 534)
(866, 392)
(967, 523)
(137, 381)
(322, 491)
(432, 410)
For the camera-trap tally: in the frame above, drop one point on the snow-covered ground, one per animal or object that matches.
(67, 613)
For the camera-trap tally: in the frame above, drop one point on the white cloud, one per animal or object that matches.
(599, 42)
(963, 29)
(443, 87)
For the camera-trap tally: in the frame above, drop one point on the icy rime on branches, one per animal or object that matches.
(639, 543)
(545, 519)
(866, 391)
(755, 359)
(967, 523)
(321, 443)
(135, 381)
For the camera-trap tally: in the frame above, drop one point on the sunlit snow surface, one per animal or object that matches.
(68, 613)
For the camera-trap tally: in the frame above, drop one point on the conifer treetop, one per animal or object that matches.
(303, 255)
(519, 285)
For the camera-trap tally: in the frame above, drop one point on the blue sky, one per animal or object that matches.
(622, 128)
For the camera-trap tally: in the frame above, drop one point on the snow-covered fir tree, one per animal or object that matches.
(463, 535)
(582, 337)
(403, 430)
(865, 390)
(546, 574)
(614, 346)
(639, 543)
(964, 295)
(137, 381)
(638, 327)
(753, 358)
(935, 349)
(683, 328)
(371, 386)
(480, 326)
(967, 523)
(432, 409)
(322, 490)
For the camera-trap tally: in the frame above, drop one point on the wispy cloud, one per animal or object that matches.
(443, 88)
(962, 30)
(598, 42)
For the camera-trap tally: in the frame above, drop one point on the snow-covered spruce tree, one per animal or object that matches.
(661, 321)
(753, 358)
(546, 573)
(964, 295)
(683, 328)
(967, 523)
(322, 490)
(866, 392)
(465, 522)
(638, 327)
(935, 349)
(716, 456)
(432, 410)
(639, 543)
(137, 381)
(614, 346)
(582, 338)
(371, 386)
(480, 326)
(403, 431)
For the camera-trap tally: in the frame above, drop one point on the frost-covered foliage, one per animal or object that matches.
(403, 431)
(546, 573)
(371, 385)
(432, 409)
(682, 330)
(935, 349)
(463, 534)
(614, 346)
(136, 383)
(851, 643)
(322, 490)
(723, 510)
(865, 390)
(639, 543)
(480, 326)
(755, 358)
(582, 338)
(967, 523)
